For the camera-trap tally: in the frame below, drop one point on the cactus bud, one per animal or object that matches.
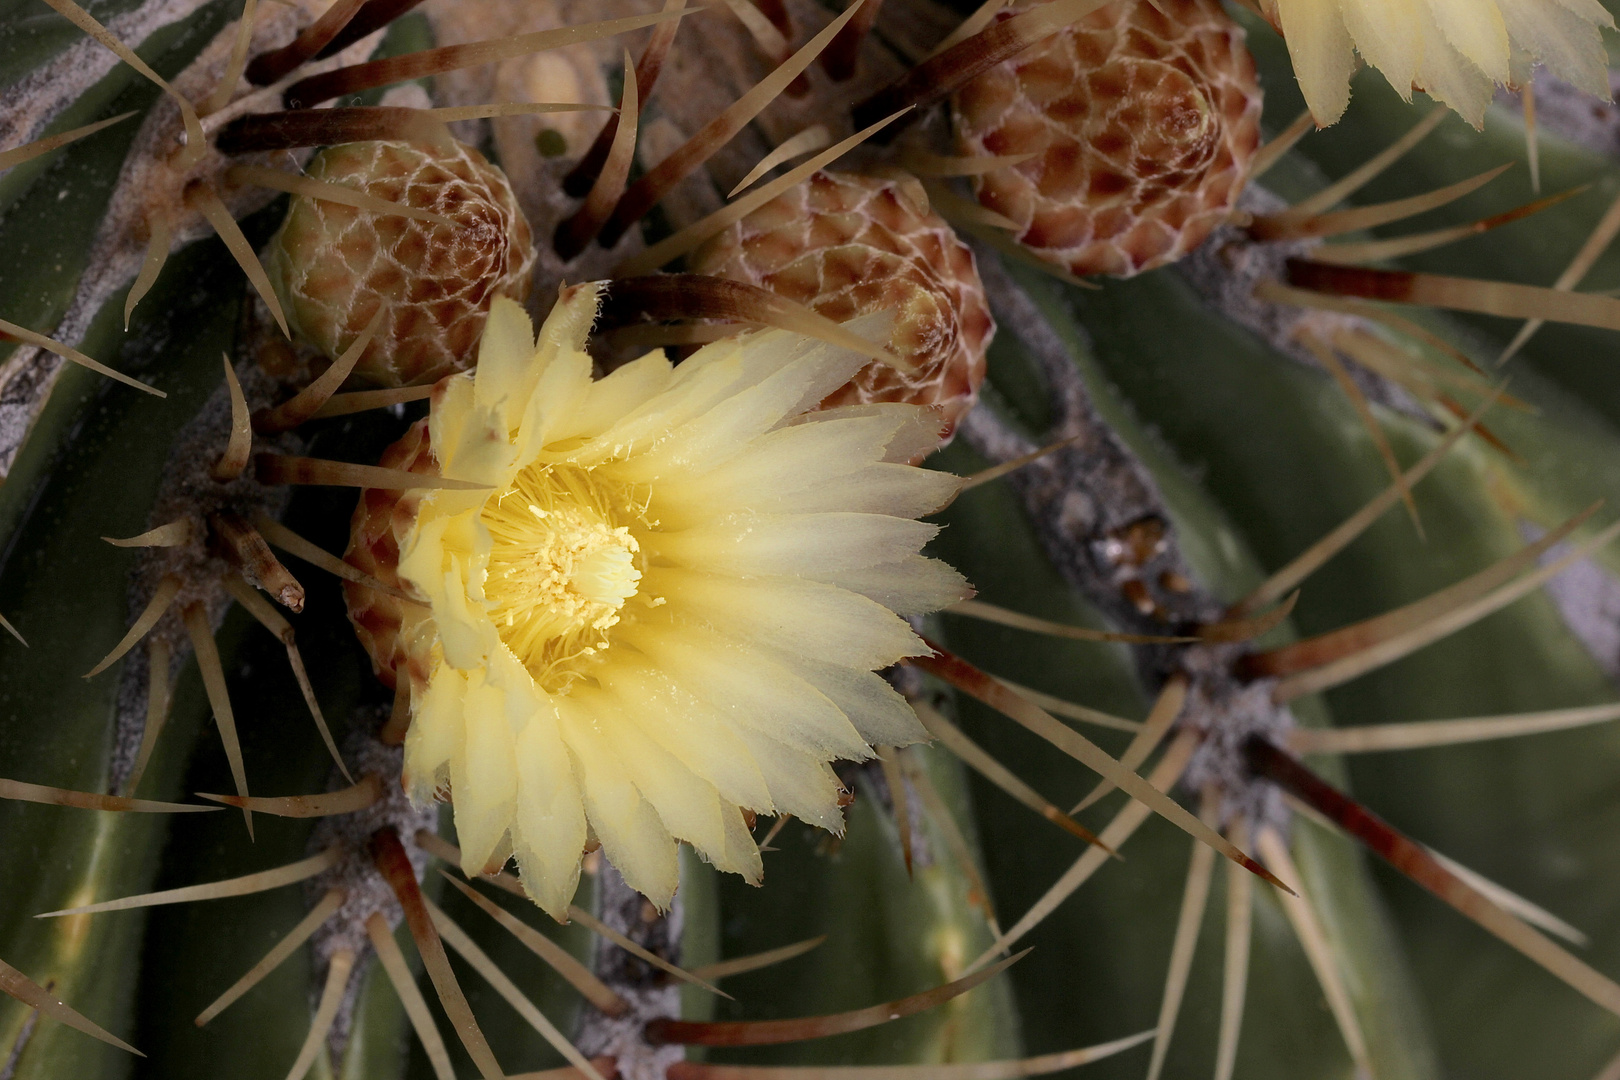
(1141, 124)
(333, 264)
(380, 522)
(845, 245)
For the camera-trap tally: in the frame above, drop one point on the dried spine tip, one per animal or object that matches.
(274, 65)
(241, 545)
(774, 1032)
(646, 192)
(581, 178)
(846, 245)
(394, 864)
(293, 128)
(15, 984)
(1144, 124)
(1421, 865)
(373, 15)
(336, 267)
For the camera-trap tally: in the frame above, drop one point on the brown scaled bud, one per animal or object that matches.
(1142, 122)
(384, 623)
(845, 245)
(332, 264)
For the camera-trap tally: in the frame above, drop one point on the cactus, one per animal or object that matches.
(1158, 465)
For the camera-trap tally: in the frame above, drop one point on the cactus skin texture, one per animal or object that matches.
(1255, 457)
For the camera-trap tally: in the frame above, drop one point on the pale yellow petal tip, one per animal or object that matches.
(1458, 53)
(571, 319)
(599, 673)
(504, 352)
(507, 329)
(553, 896)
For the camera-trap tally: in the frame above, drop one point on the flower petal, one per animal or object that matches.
(1446, 75)
(1565, 39)
(548, 828)
(1320, 47)
(820, 621)
(919, 434)
(687, 805)
(465, 632)
(691, 391)
(483, 776)
(569, 322)
(1475, 29)
(633, 838)
(724, 431)
(436, 733)
(881, 715)
(689, 729)
(804, 464)
(469, 440)
(1387, 36)
(914, 585)
(747, 688)
(741, 855)
(623, 391)
(722, 370)
(820, 547)
(800, 785)
(506, 369)
(563, 384)
(898, 490)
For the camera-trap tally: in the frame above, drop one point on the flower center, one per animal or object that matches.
(560, 569)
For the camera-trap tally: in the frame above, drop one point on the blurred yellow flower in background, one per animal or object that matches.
(1457, 51)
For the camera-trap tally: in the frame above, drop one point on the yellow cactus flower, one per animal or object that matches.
(668, 606)
(1457, 51)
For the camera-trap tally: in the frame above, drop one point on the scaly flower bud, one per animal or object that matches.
(333, 265)
(1141, 124)
(847, 245)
